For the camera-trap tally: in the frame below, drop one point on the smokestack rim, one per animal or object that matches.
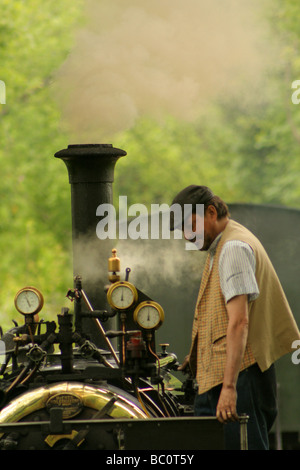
(90, 163)
(74, 150)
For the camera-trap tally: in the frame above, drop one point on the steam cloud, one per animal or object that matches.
(157, 58)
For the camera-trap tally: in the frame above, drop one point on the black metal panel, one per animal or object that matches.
(135, 434)
(174, 434)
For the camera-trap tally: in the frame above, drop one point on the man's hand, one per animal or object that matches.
(184, 366)
(226, 408)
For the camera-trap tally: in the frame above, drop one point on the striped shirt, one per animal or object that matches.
(236, 269)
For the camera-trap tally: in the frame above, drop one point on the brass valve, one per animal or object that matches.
(114, 267)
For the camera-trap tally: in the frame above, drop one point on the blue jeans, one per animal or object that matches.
(256, 396)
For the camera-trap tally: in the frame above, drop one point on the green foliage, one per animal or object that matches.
(34, 212)
(246, 148)
(245, 154)
(163, 158)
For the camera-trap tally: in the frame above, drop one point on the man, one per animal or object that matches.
(242, 322)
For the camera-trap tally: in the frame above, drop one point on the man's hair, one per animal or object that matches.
(221, 207)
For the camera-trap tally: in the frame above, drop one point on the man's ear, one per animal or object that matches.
(211, 211)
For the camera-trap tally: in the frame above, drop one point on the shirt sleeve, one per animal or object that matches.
(237, 271)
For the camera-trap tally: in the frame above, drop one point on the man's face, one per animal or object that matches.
(201, 230)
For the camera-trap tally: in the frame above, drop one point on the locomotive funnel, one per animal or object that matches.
(91, 174)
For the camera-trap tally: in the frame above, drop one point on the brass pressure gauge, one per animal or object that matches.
(149, 315)
(29, 301)
(122, 295)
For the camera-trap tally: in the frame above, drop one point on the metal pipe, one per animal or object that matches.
(101, 329)
(243, 420)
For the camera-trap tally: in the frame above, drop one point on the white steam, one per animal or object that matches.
(155, 58)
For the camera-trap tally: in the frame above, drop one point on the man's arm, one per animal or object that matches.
(183, 367)
(237, 333)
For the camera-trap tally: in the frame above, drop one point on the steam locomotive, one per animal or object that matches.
(93, 379)
(81, 379)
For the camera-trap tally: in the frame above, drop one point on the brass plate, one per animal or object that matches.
(69, 402)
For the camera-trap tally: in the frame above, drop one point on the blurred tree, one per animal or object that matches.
(245, 145)
(34, 211)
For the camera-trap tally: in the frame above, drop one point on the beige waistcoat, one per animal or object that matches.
(272, 327)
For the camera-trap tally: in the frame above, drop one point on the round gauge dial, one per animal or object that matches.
(122, 295)
(29, 301)
(149, 315)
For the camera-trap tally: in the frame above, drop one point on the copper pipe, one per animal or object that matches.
(101, 329)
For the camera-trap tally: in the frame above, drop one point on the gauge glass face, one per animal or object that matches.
(122, 296)
(28, 301)
(149, 316)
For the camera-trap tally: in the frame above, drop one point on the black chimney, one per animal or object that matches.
(91, 174)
